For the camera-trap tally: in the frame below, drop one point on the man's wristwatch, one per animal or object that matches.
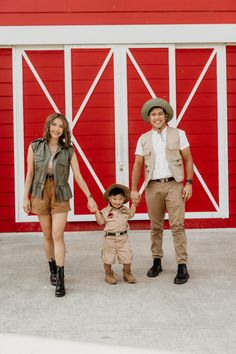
(189, 181)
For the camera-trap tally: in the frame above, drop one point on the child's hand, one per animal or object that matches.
(92, 205)
(135, 196)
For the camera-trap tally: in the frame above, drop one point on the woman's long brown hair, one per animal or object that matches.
(65, 138)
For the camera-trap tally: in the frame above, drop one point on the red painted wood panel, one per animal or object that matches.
(133, 18)
(203, 108)
(7, 200)
(231, 87)
(154, 66)
(102, 12)
(36, 105)
(94, 130)
(189, 64)
(116, 6)
(103, 160)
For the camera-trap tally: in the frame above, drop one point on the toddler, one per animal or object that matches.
(116, 243)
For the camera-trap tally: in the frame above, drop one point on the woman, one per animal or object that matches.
(49, 160)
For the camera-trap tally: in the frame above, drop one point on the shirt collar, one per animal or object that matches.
(110, 208)
(162, 133)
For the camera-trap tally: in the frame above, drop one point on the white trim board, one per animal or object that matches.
(138, 216)
(117, 34)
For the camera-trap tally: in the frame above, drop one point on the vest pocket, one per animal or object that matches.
(146, 151)
(62, 171)
(62, 165)
(62, 162)
(177, 162)
(39, 160)
(173, 147)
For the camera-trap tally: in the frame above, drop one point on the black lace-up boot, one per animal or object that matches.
(155, 269)
(60, 287)
(182, 274)
(53, 271)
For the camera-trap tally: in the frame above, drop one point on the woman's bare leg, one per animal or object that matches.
(58, 228)
(46, 226)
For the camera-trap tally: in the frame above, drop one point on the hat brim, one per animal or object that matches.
(157, 102)
(125, 189)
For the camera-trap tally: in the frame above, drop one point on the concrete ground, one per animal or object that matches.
(153, 315)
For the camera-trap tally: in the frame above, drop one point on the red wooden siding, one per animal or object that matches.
(231, 100)
(199, 121)
(154, 65)
(50, 67)
(95, 129)
(7, 201)
(72, 12)
(231, 87)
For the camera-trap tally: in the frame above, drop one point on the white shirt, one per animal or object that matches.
(161, 166)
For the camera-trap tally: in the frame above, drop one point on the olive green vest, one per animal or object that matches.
(173, 154)
(61, 169)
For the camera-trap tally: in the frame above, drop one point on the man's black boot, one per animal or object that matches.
(182, 274)
(155, 269)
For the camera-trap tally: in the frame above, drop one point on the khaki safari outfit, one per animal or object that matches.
(50, 189)
(164, 176)
(116, 241)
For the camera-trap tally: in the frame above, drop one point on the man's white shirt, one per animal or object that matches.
(161, 166)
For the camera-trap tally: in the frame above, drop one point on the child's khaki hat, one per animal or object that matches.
(125, 189)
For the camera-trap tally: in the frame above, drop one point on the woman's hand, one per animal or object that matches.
(26, 206)
(92, 205)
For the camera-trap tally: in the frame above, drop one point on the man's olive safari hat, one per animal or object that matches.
(125, 189)
(157, 102)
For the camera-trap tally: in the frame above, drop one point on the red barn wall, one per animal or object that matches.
(82, 12)
(106, 12)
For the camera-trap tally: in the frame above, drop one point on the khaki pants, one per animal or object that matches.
(159, 198)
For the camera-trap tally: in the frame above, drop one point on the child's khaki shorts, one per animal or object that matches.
(116, 246)
(48, 205)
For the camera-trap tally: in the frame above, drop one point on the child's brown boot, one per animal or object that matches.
(109, 278)
(127, 275)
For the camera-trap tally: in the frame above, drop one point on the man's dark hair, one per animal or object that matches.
(156, 107)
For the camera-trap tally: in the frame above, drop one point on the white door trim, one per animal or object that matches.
(117, 34)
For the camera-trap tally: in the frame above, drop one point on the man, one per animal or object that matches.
(164, 151)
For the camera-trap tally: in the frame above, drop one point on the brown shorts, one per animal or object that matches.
(48, 205)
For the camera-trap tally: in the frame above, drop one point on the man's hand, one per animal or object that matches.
(187, 191)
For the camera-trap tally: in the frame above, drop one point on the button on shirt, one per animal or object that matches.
(161, 166)
(116, 220)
